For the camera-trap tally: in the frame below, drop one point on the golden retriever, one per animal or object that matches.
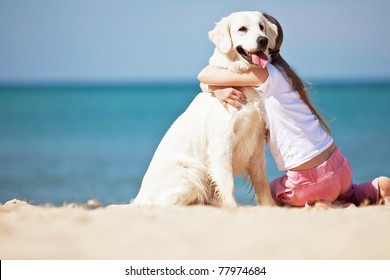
(207, 146)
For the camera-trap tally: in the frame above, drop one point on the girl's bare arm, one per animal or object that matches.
(222, 77)
(225, 85)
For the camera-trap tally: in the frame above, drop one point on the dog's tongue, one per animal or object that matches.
(260, 59)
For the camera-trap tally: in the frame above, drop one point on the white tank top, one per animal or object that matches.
(296, 135)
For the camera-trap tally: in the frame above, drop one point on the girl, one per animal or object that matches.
(299, 138)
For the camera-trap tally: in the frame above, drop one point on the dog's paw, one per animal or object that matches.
(229, 203)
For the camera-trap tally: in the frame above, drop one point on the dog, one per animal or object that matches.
(197, 159)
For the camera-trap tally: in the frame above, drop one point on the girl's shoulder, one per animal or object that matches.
(276, 83)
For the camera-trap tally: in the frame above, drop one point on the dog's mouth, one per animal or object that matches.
(258, 58)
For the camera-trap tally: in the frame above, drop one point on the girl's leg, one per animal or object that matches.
(376, 191)
(366, 193)
(302, 191)
(278, 190)
(324, 183)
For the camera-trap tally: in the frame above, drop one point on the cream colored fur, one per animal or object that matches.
(207, 146)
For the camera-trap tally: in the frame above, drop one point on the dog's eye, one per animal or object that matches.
(261, 27)
(243, 29)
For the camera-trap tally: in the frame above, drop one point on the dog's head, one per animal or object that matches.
(245, 37)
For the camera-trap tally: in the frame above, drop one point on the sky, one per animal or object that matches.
(116, 41)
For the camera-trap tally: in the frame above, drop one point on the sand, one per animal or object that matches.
(194, 232)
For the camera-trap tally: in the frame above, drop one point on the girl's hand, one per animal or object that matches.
(232, 96)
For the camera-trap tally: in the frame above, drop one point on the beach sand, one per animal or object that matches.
(194, 232)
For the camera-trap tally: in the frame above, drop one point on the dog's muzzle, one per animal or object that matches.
(262, 43)
(257, 57)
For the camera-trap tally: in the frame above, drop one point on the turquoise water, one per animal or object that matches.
(71, 144)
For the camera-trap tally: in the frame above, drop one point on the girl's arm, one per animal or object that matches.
(222, 77)
(226, 95)
(225, 84)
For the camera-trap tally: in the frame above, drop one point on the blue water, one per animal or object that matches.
(71, 144)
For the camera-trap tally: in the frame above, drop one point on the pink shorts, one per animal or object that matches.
(328, 182)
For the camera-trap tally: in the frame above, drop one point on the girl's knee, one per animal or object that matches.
(277, 188)
(284, 193)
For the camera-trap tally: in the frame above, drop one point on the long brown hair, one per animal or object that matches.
(295, 81)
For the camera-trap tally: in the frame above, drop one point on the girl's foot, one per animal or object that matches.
(384, 189)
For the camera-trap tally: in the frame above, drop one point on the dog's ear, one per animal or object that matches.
(274, 32)
(220, 35)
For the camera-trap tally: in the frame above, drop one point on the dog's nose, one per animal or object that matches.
(262, 42)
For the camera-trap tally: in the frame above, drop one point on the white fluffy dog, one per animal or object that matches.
(207, 145)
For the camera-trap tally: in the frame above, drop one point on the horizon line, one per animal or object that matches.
(171, 82)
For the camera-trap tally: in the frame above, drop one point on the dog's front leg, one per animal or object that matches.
(221, 172)
(258, 175)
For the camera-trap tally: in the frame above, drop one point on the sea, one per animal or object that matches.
(62, 144)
